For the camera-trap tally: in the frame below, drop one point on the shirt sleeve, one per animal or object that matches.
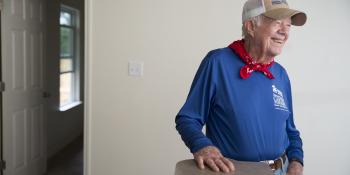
(194, 113)
(294, 150)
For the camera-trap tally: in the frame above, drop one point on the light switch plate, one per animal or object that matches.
(135, 68)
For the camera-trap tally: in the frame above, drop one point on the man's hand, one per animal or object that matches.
(295, 168)
(212, 157)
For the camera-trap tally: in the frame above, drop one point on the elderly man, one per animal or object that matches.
(244, 97)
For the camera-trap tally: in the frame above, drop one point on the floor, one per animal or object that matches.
(69, 161)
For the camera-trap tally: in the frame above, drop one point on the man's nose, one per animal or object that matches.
(284, 30)
(286, 27)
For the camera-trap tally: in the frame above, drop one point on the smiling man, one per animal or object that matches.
(244, 97)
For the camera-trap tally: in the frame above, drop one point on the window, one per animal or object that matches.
(69, 57)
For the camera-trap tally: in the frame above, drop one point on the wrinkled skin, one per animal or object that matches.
(295, 168)
(212, 157)
(264, 42)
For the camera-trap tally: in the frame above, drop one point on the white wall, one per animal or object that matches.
(321, 85)
(62, 126)
(130, 121)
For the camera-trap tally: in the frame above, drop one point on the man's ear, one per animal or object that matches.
(249, 27)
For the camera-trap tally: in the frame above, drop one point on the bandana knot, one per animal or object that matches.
(250, 64)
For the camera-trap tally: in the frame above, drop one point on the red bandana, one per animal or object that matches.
(251, 65)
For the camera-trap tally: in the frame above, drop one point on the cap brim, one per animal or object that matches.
(298, 17)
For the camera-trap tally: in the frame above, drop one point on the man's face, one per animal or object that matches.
(271, 35)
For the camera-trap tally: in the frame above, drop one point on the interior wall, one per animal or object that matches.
(62, 126)
(131, 119)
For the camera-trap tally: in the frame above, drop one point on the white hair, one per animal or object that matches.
(256, 22)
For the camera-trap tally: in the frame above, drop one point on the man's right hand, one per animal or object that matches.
(212, 157)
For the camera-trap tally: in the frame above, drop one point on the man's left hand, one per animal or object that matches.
(295, 168)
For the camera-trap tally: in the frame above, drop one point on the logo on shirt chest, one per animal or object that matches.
(278, 99)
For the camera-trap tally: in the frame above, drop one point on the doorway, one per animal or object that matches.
(33, 126)
(65, 80)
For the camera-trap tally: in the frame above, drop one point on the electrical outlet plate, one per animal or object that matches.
(135, 68)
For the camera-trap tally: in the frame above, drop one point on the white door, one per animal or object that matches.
(23, 47)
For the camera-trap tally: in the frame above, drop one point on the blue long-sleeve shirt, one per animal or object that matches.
(247, 119)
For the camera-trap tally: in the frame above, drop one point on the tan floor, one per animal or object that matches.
(69, 161)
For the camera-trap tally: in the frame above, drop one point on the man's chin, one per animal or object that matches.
(276, 52)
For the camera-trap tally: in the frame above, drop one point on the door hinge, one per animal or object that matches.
(1, 5)
(2, 165)
(2, 86)
(46, 94)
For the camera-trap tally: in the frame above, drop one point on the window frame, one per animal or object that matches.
(75, 57)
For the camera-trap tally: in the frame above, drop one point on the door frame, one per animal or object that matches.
(87, 86)
(1, 114)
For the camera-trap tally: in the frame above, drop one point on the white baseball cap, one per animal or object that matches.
(275, 9)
